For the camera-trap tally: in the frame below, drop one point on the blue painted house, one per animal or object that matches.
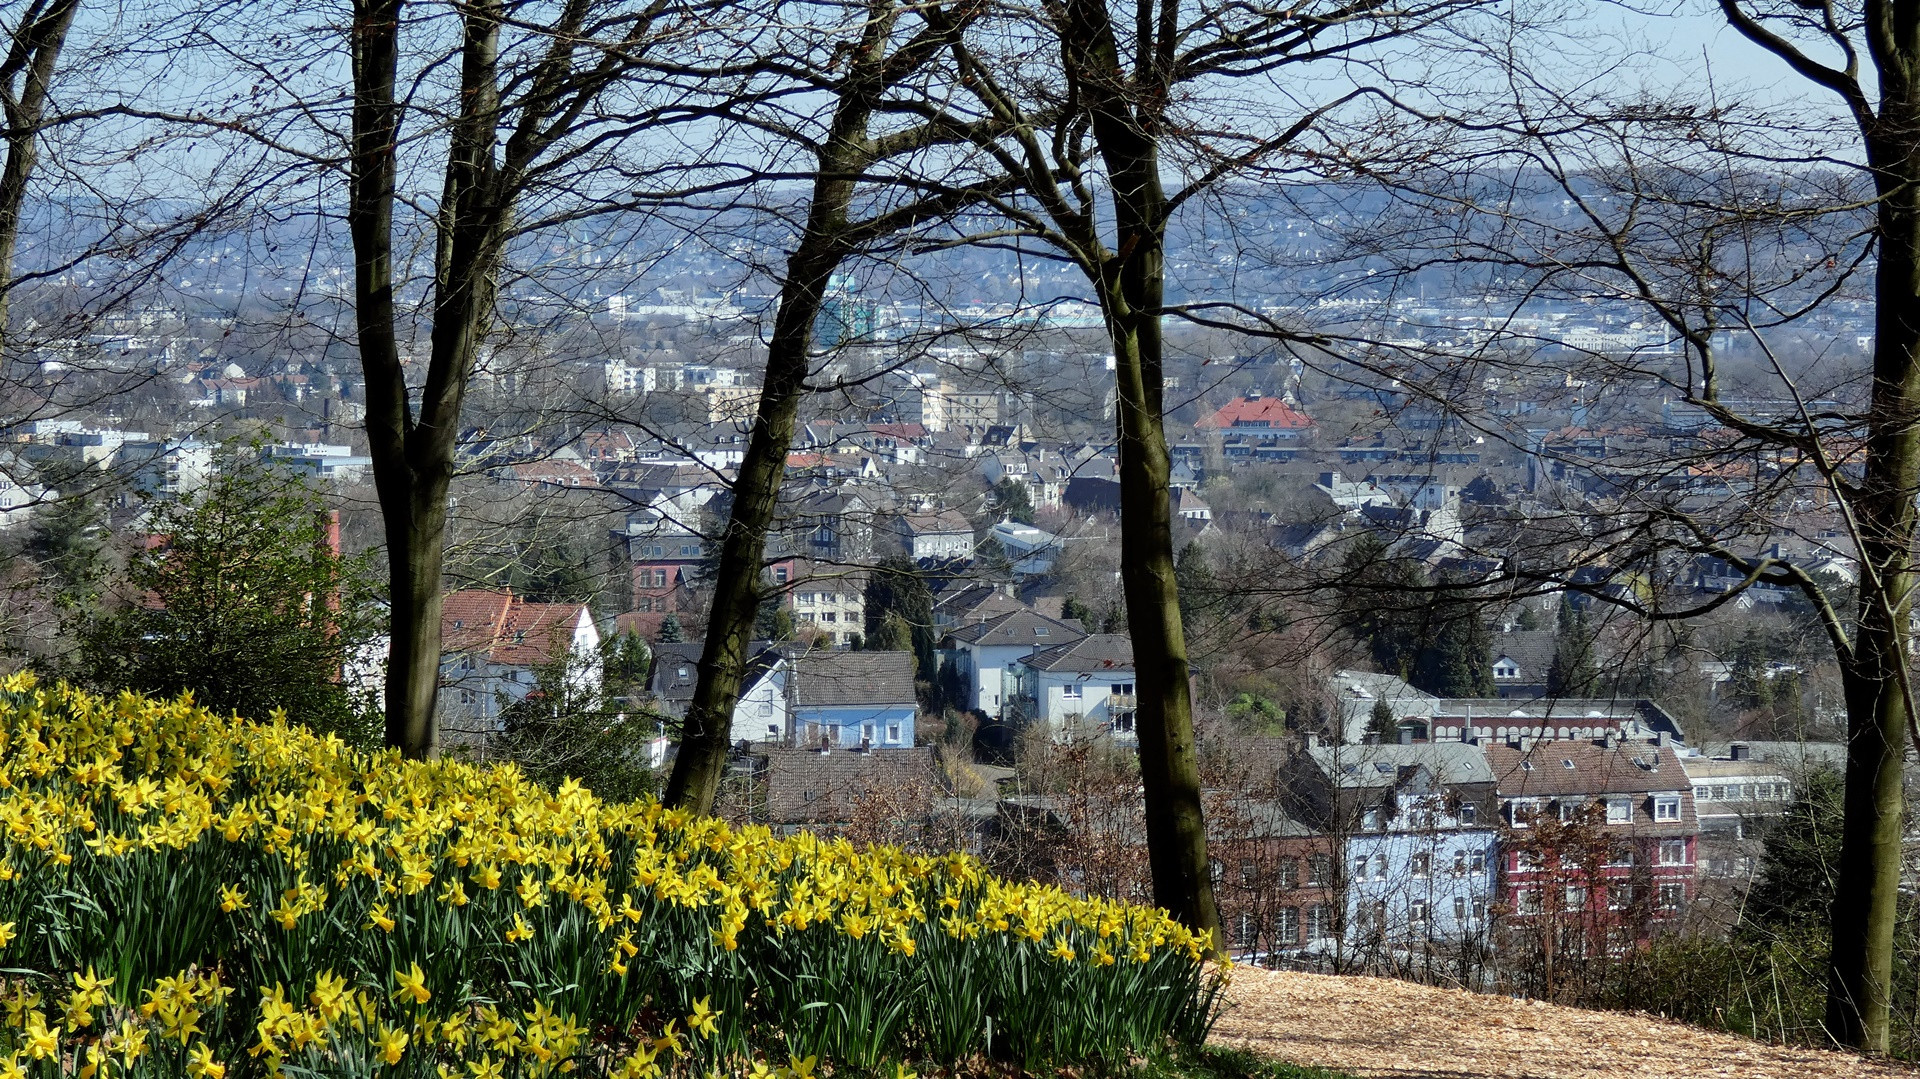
(853, 699)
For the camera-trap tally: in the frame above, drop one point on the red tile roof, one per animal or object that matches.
(510, 631)
(1268, 412)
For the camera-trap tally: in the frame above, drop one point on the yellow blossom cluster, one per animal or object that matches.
(187, 894)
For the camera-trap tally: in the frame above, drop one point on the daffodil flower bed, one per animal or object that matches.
(183, 894)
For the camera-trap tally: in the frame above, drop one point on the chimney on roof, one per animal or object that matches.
(1742, 751)
(1526, 743)
(1660, 738)
(1372, 738)
(1313, 740)
(1612, 738)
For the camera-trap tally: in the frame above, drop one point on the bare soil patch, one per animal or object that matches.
(1377, 1027)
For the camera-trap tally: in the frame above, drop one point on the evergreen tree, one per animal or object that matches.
(1013, 500)
(1748, 687)
(241, 599)
(1800, 863)
(897, 593)
(671, 631)
(1572, 672)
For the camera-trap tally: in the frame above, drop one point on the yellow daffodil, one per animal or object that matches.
(413, 983)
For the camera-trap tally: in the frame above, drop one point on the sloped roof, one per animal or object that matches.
(1024, 626)
(943, 522)
(974, 603)
(806, 786)
(862, 679)
(1630, 767)
(1379, 766)
(1269, 412)
(511, 632)
(676, 668)
(1099, 652)
(1530, 649)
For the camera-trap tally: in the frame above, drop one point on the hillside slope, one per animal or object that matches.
(1376, 1027)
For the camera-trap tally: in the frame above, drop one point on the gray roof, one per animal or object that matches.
(834, 679)
(1379, 766)
(1100, 652)
(1022, 627)
(1798, 755)
(1531, 649)
(675, 668)
(806, 786)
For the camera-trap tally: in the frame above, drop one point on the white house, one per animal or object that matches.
(1083, 686)
(1030, 549)
(496, 645)
(936, 537)
(761, 713)
(988, 653)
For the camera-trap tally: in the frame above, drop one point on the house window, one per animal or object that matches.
(1417, 915)
(659, 578)
(1320, 869)
(1320, 923)
(1469, 813)
(1527, 902)
(1673, 852)
(1123, 689)
(1671, 896)
(866, 732)
(1422, 866)
(1379, 867)
(1071, 693)
(1576, 897)
(1286, 925)
(1371, 818)
(1569, 809)
(893, 732)
(1666, 807)
(1520, 812)
(1459, 863)
(1477, 862)
(1289, 873)
(1123, 721)
(1377, 916)
(766, 708)
(830, 616)
(1243, 933)
(1249, 873)
(1460, 909)
(1620, 896)
(780, 574)
(1360, 868)
(1619, 810)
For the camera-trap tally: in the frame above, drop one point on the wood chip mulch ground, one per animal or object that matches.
(1375, 1027)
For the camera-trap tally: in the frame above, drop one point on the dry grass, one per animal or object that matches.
(1378, 1027)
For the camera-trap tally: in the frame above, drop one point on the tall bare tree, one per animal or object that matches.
(1133, 84)
(529, 103)
(34, 43)
(885, 166)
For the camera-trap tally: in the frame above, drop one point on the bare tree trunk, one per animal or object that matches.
(829, 238)
(1879, 719)
(33, 53)
(1133, 295)
(756, 492)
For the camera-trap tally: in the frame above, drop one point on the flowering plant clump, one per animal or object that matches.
(182, 894)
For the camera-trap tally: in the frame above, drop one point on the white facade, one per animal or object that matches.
(1079, 702)
(836, 607)
(476, 688)
(761, 714)
(1029, 549)
(1426, 875)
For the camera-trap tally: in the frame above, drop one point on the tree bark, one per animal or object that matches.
(1132, 291)
(822, 247)
(33, 54)
(1866, 896)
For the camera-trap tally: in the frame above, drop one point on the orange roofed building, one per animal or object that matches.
(493, 647)
(1259, 412)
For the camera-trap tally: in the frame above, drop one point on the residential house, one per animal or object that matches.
(495, 645)
(967, 604)
(829, 601)
(662, 554)
(852, 699)
(1635, 798)
(1738, 793)
(987, 654)
(1522, 660)
(761, 713)
(939, 536)
(1081, 687)
(828, 788)
(1275, 878)
(1358, 693)
(1493, 719)
(1420, 846)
